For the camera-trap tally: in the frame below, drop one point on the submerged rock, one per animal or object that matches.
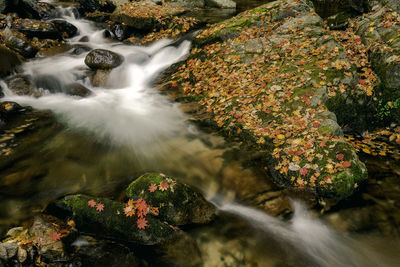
(106, 218)
(178, 203)
(9, 61)
(77, 89)
(22, 85)
(103, 59)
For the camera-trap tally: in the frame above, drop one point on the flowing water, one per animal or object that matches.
(101, 142)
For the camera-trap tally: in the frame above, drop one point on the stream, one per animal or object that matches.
(98, 144)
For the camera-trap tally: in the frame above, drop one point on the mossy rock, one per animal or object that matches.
(178, 203)
(112, 222)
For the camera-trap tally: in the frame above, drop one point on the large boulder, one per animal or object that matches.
(268, 77)
(103, 59)
(107, 218)
(178, 203)
(10, 60)
(379, 30)
(18, 43)
(37, 28)
(32, 9)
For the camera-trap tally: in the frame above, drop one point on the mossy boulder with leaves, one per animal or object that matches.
(272, 76)
(178, 204)
(379, 30)
(107, 218)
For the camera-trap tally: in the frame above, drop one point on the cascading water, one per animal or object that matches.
(309, 237)
(130, 113)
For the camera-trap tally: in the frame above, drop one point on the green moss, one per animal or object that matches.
(178, 204)
(112, 222)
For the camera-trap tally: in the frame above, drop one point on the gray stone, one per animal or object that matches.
(8, 250)
(221, 3)
(16, 43)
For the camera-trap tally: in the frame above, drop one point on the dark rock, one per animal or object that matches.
(121, 32)
(107, 34)
(80, 49)
(327, 8)
(19, 44)
(9, 108)
(77, 89)
(34, 10)
(1, 92)
(103, 59)
(37, 28)
(9, 62)
(3, 5)
(178, 203)
(22, 85)
(67, 29)
(92, 252)
(97, 5)
(111, 221)
(84, 39)
(180, 250)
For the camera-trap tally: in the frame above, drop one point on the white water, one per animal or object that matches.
(131, 112)
(309, 238)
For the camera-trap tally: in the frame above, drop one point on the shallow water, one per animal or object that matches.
(97, 145)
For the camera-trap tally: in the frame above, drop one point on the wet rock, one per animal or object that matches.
(103, 59)
(34, 10)
(18, 43)
(84, 39)
(221, 3)
(37, 28)
(109, 220)
(77, 89)
(97, 5)
(180, 250)
(178, 203)
(67, 29)
(22, 85)
(107, 34)
(8, 250)
(100, 77)
(9, 108)
(91, 252)
(121, 32)
(80, 49)
(3, 5)
(51, 246)
(9, 62)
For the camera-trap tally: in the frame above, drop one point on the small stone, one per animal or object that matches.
(8, 250)
(22, 255)
(103, 59)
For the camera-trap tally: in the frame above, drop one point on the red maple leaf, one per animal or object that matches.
(64, 231)
(100, 207)
(322, 144)
(55, 236)
(141, 223)
(164, 185)
(316, 124)
(141, 207)
(346, 164)
(340, 156)
(152, 188)
(303, 171)
(92, 203)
